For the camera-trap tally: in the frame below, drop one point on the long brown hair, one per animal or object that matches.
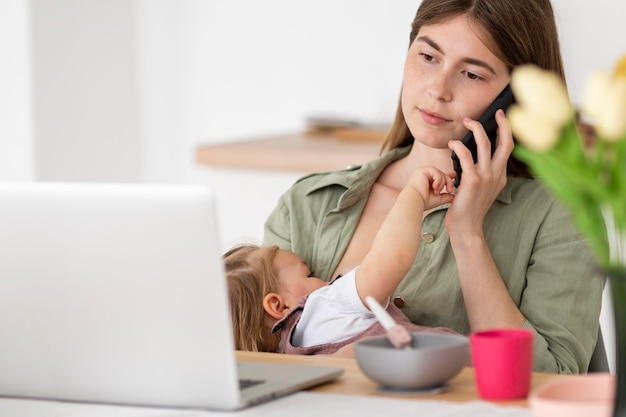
(516, 31)
(251, 275)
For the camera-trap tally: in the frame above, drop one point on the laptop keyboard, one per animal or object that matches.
(247, 383)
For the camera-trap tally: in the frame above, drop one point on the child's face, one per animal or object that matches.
(295, 277)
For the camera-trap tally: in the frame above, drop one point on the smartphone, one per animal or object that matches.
(488, 120)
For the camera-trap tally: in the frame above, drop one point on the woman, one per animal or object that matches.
(504, 253)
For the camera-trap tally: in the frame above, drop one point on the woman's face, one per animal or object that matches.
(449, 74)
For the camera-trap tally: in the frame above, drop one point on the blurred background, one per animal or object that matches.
(127, 90)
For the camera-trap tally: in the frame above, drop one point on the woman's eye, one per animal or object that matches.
(427, 57)
(473, 76)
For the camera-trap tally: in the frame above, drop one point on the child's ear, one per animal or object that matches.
(274, 305)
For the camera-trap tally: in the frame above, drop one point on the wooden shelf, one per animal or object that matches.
(304, 152)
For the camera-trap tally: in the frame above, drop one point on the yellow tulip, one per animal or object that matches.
(620, 68)
(543, 107)
(535, 131)
(604, 103)
(541, 93)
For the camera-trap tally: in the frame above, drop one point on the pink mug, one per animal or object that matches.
(502, 360)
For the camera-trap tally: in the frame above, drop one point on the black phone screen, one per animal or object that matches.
(488, 120)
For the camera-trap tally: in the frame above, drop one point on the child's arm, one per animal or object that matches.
(396, 243)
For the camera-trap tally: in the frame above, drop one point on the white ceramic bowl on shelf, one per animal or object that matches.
(590, 395)
(434, 359)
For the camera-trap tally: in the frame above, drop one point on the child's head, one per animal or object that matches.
(264, 285)
(251, 274)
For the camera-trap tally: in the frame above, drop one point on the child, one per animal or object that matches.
(272, 290)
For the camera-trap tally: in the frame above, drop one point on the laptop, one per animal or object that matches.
(116, 293)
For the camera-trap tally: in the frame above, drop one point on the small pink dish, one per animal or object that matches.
(589, 395)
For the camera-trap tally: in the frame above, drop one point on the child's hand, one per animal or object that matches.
(433, 185)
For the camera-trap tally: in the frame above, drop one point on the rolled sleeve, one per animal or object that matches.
(562, 298)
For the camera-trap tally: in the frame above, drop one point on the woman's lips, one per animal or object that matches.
(433, 118)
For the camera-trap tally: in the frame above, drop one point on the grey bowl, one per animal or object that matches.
(434, 359)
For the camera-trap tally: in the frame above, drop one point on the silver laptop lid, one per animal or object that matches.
(114, 293)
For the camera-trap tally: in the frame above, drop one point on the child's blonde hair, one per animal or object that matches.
(251, 275)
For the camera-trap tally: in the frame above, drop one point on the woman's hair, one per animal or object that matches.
(516, 31)
(251, 275)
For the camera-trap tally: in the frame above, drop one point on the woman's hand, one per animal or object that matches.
(487, 300)
(483, 181)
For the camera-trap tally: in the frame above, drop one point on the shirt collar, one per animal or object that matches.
(358, 180)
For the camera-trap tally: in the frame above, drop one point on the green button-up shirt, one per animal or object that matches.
(546, 264)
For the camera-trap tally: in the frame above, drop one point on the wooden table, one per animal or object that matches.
(353, 381)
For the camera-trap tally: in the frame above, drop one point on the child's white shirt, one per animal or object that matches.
(332, 313)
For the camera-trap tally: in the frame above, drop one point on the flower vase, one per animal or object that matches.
(617, 281)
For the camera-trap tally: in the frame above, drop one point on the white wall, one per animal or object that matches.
(16, 140)
(86, 113)
(242, 69)
(592, 37)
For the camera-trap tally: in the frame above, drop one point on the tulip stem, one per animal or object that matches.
(616, 238)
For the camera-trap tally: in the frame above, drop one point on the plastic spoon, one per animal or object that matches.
(397, 334)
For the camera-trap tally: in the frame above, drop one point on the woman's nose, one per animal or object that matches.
(439, 87)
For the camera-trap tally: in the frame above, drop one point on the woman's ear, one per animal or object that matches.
(274, 305)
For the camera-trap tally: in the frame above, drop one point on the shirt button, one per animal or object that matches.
(428, 237)
(398, 302)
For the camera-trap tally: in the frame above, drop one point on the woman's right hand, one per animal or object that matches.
(483, 181)
(487, 300)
